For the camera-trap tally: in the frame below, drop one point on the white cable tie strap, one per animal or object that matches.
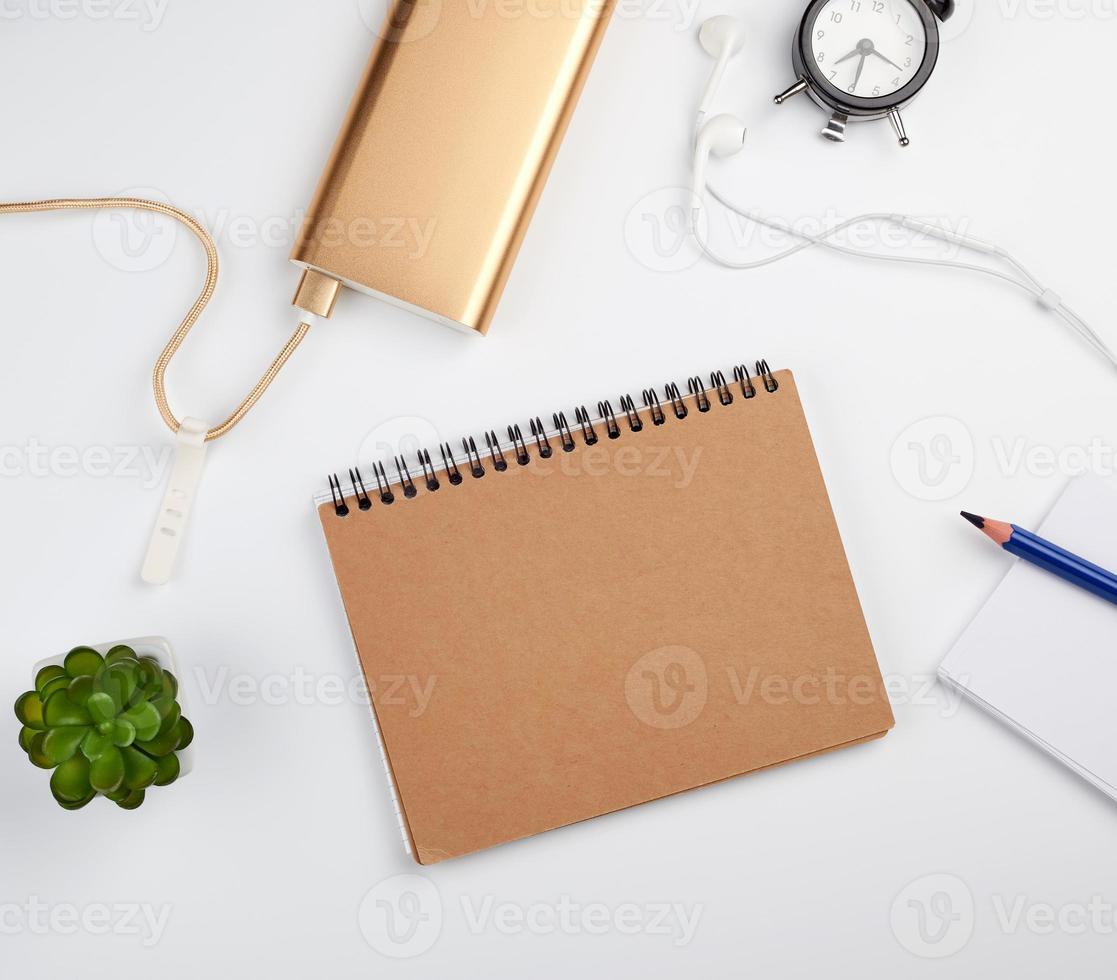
(190, 457)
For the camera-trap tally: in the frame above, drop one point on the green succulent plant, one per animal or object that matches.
(108, 726)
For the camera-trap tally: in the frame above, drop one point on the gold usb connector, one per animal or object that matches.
(317, 293)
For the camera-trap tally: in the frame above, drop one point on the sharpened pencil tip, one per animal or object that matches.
(978, 522)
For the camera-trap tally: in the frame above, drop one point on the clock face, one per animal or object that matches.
(868, 49)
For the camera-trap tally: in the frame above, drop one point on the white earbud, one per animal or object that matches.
(722, 136)
(722, 37)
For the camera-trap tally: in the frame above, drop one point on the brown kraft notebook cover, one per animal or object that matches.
(607, 626)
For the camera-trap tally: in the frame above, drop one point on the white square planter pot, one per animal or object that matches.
(156, 647)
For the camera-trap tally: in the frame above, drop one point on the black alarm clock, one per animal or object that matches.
(866, 59)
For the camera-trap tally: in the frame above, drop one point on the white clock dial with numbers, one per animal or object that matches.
(868, 49)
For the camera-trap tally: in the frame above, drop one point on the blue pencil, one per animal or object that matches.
(1031, 547)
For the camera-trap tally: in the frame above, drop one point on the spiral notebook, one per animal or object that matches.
(617, 607)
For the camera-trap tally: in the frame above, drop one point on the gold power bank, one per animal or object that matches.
(445, 151)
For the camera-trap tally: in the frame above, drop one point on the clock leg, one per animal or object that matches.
(799, 86)
(835, 130)
(898, 125)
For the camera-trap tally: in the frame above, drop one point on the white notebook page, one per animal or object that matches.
(1042, 654)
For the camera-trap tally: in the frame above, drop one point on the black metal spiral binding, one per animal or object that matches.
(698, 390)
(341, 508)
(474, 457)
(678, 405)
(542, 443)
(517, 437)
(428, 471)
(450, 466)
(496, 454)
(563, 429)
(605, 410)
(363, 501)
(382, 484)
(589, 433)
(566, 435)
(741, 376)
(405, 480)
(771, 385)
(628, 406)
(725, 396)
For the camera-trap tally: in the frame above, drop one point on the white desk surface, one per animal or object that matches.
(259, 862)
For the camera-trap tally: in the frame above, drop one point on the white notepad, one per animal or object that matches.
(1042, 654)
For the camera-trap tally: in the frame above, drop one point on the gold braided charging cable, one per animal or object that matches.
(203, 236)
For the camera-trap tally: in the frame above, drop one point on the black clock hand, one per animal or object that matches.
(853, 54)
(860, 68)
(889, 60)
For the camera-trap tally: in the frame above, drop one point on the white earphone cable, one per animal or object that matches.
(1047, 298)
(1031, 285)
